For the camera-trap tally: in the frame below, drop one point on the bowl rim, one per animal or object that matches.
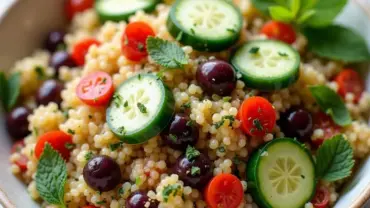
(357, 203)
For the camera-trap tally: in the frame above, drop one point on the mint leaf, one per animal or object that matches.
(13, 89)
(3, 90)
(325, 12)
(334, 159)
(166, 53)
(330, 103)
(263, 5)
(51, 176)
(338, 43)
(305, 16)
(282, 14)
(295, 6)
(307, 4)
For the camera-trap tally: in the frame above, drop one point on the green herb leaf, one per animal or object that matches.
(294, 5)
(254, 50)
(338, 43)
(307, 4)
(70, 146)
(282, 54)
(117, 98)
(138, 181)
(226, 99)
(221, 123)
(186, 105)
(170, 190)
(115, 146)
(165, 53)
(334, 159)
(325, 12)
(142, 108)
(89, 155)
(70, 131)
(101, 202)
(280, 13)
(191, 153)
(40, 72)
(330, 103)
(263, 5)
(195, 170)
(51, 176)
(13, 89)
(3, 90)
(173, 137)
(305, 16)
(221, 149)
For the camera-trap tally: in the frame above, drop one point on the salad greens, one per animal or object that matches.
(9, 90)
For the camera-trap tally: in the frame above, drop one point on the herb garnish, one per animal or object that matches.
(101, 202)
(89, 155)
(70, 146)
(121, 130)
(170, 190)
(283, 54)
(40, 72)
(226, 99)
(191, 153)
(257, 124)
(254, 50)
(173, 137)
(117, 99)
(186, 105)
(221, 149)
(221, 123)
(190, 123)
(142, 107)
(70, 131)
(195, 170)
(115, 146)
(125, 104)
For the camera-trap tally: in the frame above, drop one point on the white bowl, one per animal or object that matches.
(22, 29)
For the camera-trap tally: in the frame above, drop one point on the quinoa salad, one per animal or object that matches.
(190, 103)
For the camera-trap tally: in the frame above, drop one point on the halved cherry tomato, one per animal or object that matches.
(326, 123)
(72, 7)
(321, 198)
(349, 81)
(134, 40)
(257, 116)
(279, 31)
(95, 89)
(224, 191)
(58, 140)
(81, 48)
(22, 160)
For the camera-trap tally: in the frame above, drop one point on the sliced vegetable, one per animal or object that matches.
(121, 10)
(134, 40)
(207, 25)
(224, 190)
(81, 48)
(321, 198)
(350, 81)
(267, 64)
(325, 123)
(330, 103)
(95, 89)
(58, 140)
(257, 116)
(72, 7)
(279, 31)
(140, 109)
(282, 169)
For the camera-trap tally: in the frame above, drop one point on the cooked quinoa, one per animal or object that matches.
(148, 166)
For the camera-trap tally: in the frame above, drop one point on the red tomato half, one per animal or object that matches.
(95, 89)
(72, 7)
(326, 123)
(23, 160)
(257, 116)
(279, 31)
(349, 81)
(224, 191)
(81, 48)
(321, 198)
(134, 40)
(58, 140)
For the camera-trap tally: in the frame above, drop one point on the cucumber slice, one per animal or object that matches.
(206, 25)
(281, 175)
(140, 109)
(118, 10)
(267, 64)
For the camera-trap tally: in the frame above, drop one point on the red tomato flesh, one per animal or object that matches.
(134, 40)
(224, 191)
(326, 123)
(72, 7)
(257, 116)
(23, 160)
(279, 31)
(81, 48)
(321, 198)
(58, 140)
(95, 89)
(349, 81)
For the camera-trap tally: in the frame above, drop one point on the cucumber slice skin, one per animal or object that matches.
(265, 83)
(198, 43)
(104, 16)
(252, 172)
(157, 124)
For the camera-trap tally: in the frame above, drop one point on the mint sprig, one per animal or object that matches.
(334, 159)
(51, 176)
(9, 90)
(166, 53)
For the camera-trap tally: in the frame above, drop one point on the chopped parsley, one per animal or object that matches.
(101, 202)
(104, 80)
(254, 50)
(257, 124)
(195, 170)
(232, 30)
(170, 190)
(142, 108)
(139, 77)
(192, 31)
(186, 105)
(115, 146)
(70, 131)
(190, 123)
(121, 191)
(69, 146)
(125, 104)
(121, 130)
(40, 72)
(221, 123)
(221, 149)
(191, 153)
(117, 99)
(226, 99)
(140, 47)
(173, 137)
(89, 155)
(282, 54)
